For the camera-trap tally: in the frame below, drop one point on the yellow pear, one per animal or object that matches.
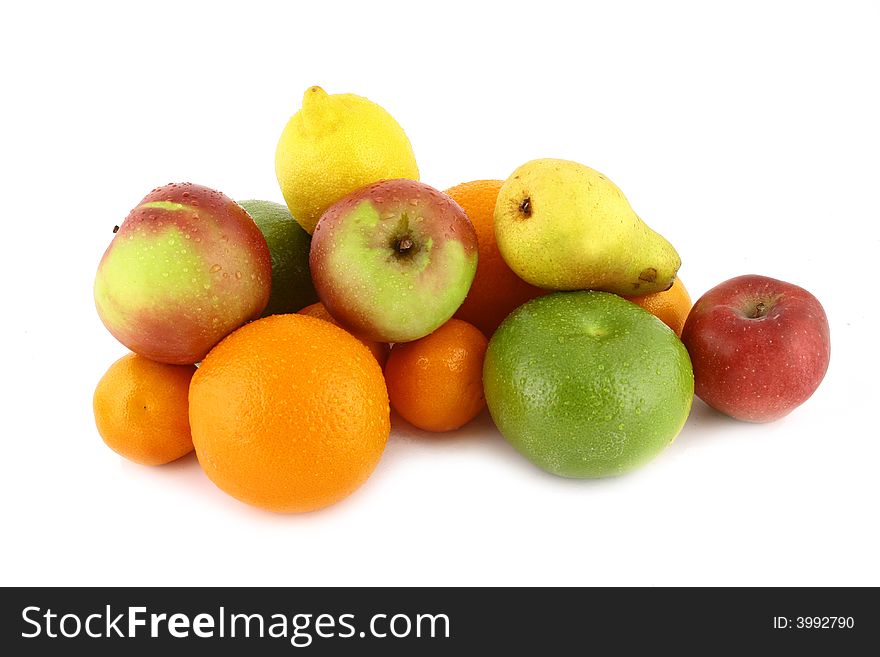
(561, 225)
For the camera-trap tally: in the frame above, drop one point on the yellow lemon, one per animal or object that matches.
(335, 145)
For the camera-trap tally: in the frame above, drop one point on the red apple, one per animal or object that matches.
(759, 347)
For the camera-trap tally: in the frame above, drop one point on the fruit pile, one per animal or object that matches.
(271, 339)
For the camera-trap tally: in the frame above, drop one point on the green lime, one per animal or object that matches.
(292, 287)
(587, 384)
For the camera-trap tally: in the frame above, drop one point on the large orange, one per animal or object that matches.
(378, 349)
(141, 409)
(496, 290)
(436, 383)
(289, 413)
(670, 306)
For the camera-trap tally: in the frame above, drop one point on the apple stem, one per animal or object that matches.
(760, 310)
(526, 206)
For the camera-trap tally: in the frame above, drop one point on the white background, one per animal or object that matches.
(748, 136)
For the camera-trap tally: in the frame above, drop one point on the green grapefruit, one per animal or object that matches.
(587, 384)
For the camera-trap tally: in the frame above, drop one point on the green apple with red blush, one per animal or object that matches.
(393, 261)
(187, 267)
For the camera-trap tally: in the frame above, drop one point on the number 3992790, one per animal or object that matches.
(814, 622)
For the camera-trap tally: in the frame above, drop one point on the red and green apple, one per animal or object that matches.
(393, 261)
(187, 267)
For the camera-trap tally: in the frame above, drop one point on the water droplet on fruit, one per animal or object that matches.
(215, 268)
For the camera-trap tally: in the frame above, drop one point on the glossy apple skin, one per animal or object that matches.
(757, 363)
(368, 285)
(187, 267)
